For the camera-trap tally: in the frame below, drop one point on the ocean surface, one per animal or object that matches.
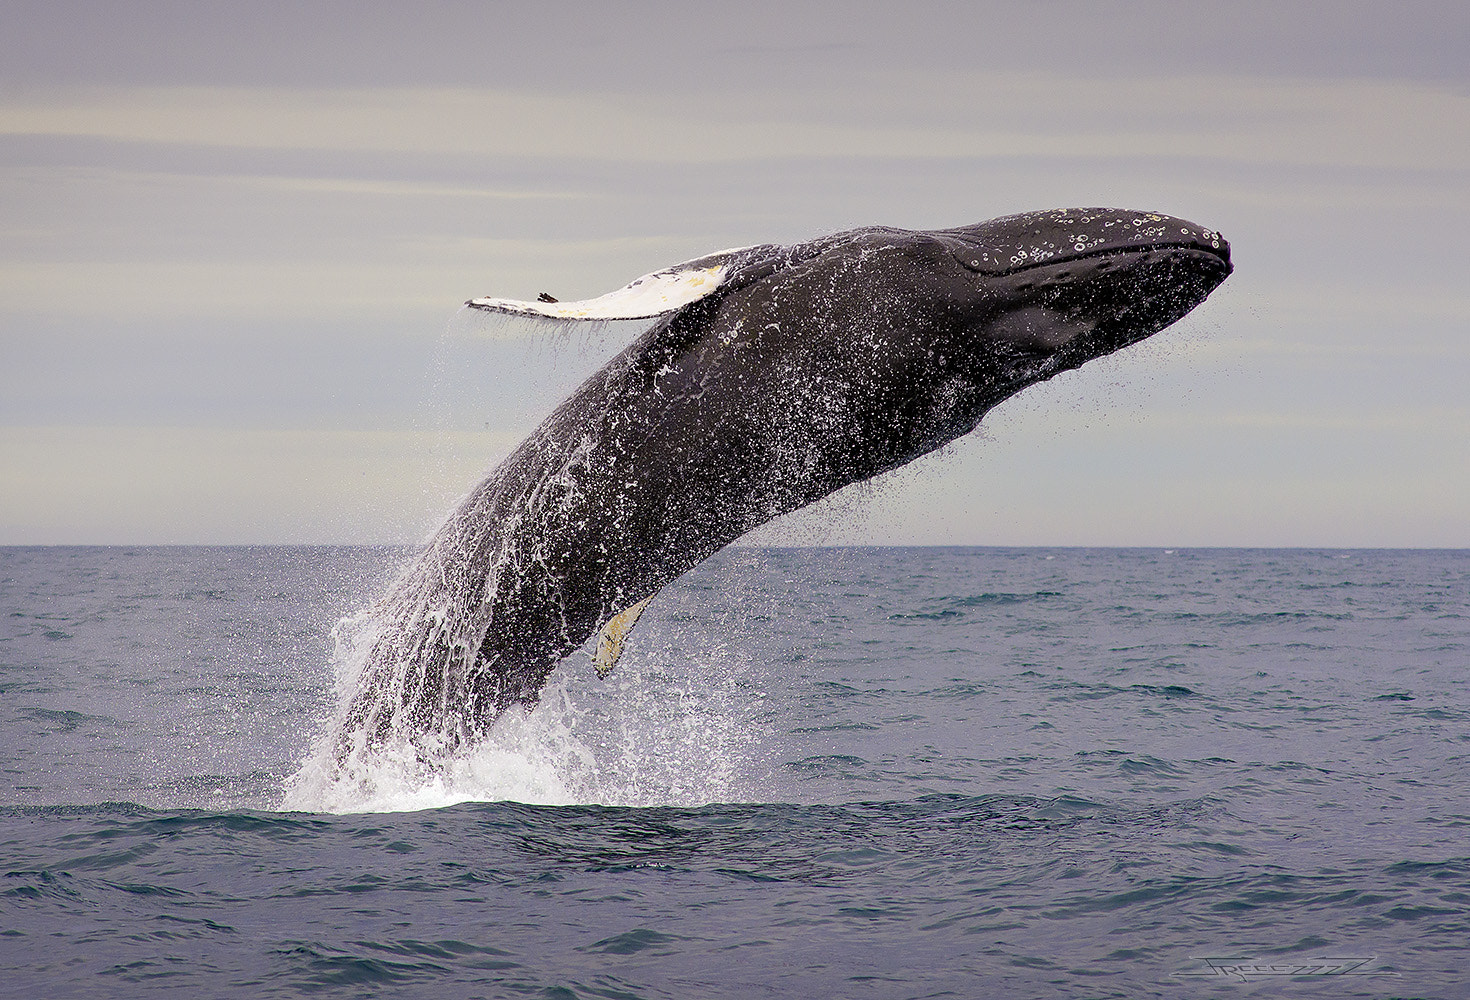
(858, 773)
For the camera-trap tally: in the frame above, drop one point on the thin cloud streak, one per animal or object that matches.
(354, 186)
(1377, 124)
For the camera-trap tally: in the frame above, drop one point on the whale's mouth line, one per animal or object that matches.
(1221, 254)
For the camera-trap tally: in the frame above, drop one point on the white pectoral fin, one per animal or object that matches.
(614, 633)
(642, 298)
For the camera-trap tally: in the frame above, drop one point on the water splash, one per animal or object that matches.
(672, 726)
(535, 757)
(408, 730)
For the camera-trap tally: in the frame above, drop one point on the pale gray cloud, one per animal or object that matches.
(907, 115)
(214, 485)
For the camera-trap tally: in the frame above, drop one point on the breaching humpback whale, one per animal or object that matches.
(772, 377)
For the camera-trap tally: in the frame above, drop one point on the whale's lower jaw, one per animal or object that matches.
(1141, 299)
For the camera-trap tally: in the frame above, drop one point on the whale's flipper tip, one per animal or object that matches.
(614, 634)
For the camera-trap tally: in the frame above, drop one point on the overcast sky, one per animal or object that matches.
(234, 239)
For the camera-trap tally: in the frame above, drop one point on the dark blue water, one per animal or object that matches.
(848, 773)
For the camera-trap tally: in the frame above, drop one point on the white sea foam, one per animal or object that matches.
(670, 727)
(533, 757)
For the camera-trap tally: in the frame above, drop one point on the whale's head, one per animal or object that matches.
(1052, 290)
(1049, 289)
